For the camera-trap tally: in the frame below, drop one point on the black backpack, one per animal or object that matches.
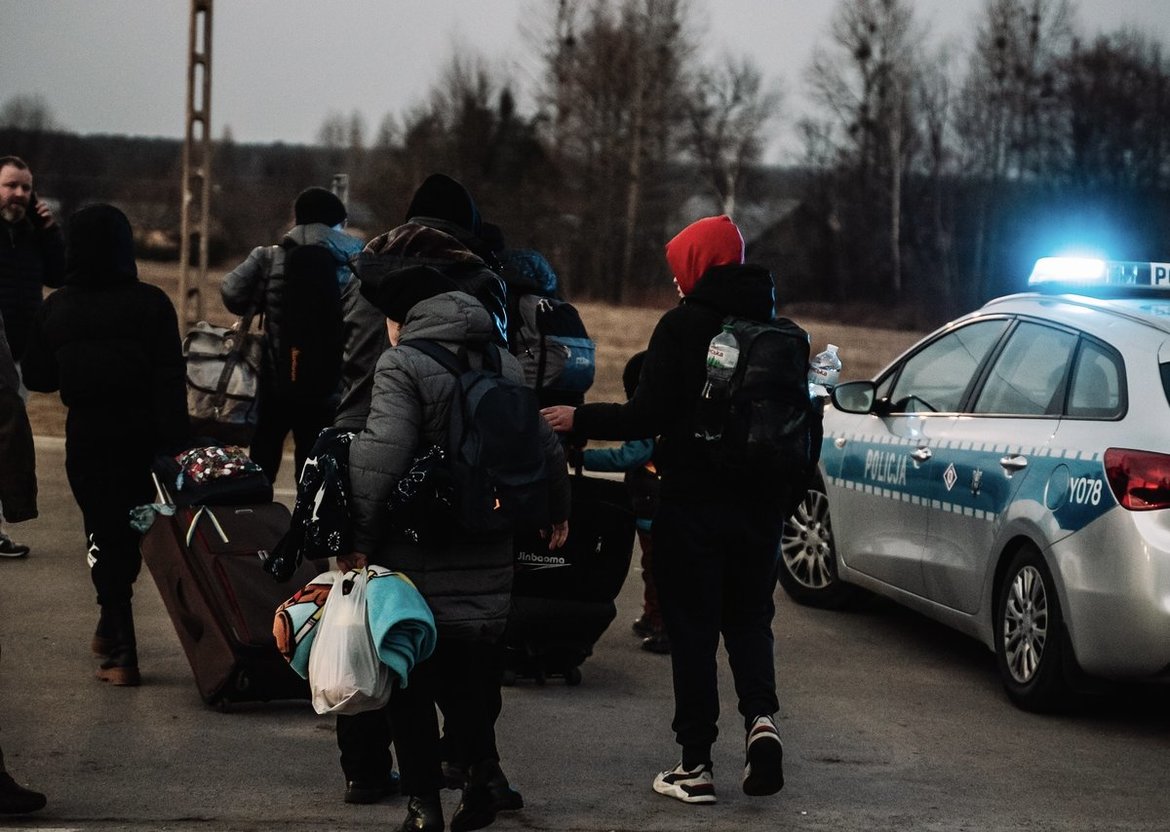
(557, 354)
(307, 317)
(495, 454)
(771, 425)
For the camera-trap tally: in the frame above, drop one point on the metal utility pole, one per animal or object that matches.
(196, 164)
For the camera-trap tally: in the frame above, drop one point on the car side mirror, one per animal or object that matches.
(854, 396)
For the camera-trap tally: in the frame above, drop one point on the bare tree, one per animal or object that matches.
(28, 112)
(728, 110)
(864, 82)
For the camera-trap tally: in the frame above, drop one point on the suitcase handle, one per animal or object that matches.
(190, 622)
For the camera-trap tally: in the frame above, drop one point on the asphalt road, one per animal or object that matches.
(890, 722)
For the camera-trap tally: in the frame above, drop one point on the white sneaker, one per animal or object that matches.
(764, 772)
(697, 786)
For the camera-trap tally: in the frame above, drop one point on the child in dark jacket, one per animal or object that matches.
(636, 458)
(110, 345)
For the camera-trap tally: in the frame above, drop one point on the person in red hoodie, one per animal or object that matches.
(715, 538)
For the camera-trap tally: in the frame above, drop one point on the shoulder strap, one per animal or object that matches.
(455, 364)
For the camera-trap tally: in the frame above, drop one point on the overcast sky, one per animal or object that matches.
(279, 67)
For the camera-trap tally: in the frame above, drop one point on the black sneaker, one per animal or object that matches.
(657, 642)
(643, 627)
(10, 549)
(362, 791)
(695, 786)
(764, 772)
(15, 799)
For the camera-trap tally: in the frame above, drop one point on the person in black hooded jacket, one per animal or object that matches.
(715, 537)
(442, 229)
(110, 345)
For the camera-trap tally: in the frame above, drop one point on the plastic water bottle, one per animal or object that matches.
(722, 356)
(823, 372)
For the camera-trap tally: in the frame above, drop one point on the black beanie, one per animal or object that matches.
(318, 205)
(442, 198)
(396, 294)
(99, 246)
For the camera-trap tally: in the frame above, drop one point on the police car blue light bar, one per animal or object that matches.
(1089, 272)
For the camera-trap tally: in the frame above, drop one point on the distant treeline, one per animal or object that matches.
(928, 183)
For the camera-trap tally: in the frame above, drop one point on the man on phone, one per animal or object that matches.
(32, 255)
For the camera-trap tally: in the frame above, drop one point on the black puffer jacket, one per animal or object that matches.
(417, 243)
(467, 584)
(110, 345)
(31, 258)
(672, 381)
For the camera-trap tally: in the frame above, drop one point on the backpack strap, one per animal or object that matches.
(455, 364)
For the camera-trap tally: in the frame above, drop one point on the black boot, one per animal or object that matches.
(504, 796)
(104, 640)
(15, 799)
(424, 813)
(478, 807)
(121, 668)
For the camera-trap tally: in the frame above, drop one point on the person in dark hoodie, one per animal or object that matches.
(466, 581)
(110, 345)
(441, 229)
(715, 539)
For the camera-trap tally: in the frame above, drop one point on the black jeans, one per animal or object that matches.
(279, 415)
(715, 568)
(463, 676)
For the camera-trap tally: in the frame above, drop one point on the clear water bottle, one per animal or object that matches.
(722, 356)
(823, 372)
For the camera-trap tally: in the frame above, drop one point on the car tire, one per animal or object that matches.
(808, 555)
(1030, 647)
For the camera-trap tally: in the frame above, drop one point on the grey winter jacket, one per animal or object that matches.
(468, 585)
(238, 288)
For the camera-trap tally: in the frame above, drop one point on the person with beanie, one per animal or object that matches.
(441, 229)
(716, 538)
(467, 581)
(316, 254)
(109, 344)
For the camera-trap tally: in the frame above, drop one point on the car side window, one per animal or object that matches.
(1028, 377)
(935, 378)
(1096, 384)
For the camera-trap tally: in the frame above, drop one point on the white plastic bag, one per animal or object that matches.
(345, 674)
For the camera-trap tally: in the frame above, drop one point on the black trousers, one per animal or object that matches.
(279, 415)
(107, 482)
(463, 678)
(364, 741)
(715, 568)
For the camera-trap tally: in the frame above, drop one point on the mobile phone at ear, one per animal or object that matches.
(33, 216)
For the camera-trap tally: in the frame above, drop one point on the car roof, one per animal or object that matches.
(1098, 316)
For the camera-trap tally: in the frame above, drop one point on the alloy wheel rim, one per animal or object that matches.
(807, 545)
(1025, 624)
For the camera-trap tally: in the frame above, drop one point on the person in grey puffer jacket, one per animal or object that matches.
(320, 218)
(467, 584)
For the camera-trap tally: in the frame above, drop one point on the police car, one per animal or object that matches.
(1009, 476)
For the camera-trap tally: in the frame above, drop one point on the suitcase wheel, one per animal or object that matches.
(573, 677)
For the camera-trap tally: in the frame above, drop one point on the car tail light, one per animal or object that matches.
(1140, 479)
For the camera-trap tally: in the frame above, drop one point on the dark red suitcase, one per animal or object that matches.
(206, 561)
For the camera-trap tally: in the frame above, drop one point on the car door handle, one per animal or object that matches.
(922, 454)
(1011, 464)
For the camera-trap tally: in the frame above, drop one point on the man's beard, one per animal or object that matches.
(13, 212)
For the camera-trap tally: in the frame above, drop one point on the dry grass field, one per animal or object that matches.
(619, 332)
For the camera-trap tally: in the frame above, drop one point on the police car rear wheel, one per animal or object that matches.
(808, 557)
(1029, 642)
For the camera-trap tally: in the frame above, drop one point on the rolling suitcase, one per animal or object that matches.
(207, 563)
(562, 601)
